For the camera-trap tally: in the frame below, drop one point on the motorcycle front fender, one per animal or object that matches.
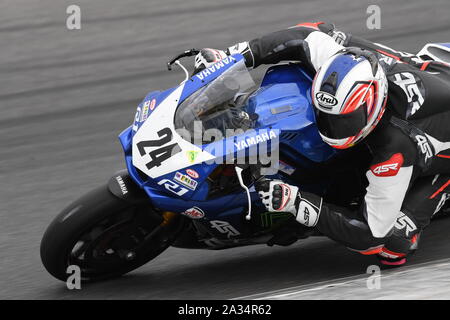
(123, 187)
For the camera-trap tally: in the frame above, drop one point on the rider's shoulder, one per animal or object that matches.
(330, 29)
(387, 140)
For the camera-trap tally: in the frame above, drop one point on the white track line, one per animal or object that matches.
(291, 291)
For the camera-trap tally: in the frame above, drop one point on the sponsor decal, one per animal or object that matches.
(192, 173)
(424, 146)
(248, 142)
(152, 104)
(137, 118)
(144, 112)
(194, 213)
(185, 180)
(326, 100)
(308, 214)
(224, 227)
(413, 89)
(148, 105)
(405, 222)
(388, 168)
(191, 155)
(122, 185)
(173, 187)
(286, 168)
(215, 67)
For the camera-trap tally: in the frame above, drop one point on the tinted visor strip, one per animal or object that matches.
(341, 126)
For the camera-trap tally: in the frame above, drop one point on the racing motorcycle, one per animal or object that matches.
(187, 189)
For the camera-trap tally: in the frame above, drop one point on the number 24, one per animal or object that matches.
(161, 154)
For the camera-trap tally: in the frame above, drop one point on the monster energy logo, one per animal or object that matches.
(272, 219)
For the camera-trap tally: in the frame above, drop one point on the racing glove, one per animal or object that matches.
(206, 58)
(278, 196)
(244, 49)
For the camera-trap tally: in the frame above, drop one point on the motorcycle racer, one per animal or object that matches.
(395, 103)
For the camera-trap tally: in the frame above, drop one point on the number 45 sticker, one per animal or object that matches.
(162, 153)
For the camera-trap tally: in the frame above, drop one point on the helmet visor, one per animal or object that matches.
(341, 126)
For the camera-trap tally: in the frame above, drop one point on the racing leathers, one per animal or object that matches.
(409, 174)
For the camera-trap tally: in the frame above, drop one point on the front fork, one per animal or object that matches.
(123, 187)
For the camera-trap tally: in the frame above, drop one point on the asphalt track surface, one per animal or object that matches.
(66, 95)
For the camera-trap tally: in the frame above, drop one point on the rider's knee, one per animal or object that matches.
(404, 239)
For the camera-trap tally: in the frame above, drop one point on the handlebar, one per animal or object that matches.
(187, 53)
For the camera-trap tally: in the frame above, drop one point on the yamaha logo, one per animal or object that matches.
(326, 100)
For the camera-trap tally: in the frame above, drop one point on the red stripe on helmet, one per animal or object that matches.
(357, 99)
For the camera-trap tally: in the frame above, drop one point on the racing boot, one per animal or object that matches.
(403, 241)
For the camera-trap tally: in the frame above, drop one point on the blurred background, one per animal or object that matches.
(65, 95)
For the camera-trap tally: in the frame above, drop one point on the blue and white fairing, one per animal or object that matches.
(284, 102)
(178, 183)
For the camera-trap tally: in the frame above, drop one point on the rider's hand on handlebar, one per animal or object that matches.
(206, 58)
(278, 196)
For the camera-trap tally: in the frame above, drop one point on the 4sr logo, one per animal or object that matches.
(413, 88)
(224, 227)
(424, 146)
(405, 222)
(388, 168)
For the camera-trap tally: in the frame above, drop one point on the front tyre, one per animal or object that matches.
(106, 236)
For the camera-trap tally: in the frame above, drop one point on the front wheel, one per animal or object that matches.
(106, 236)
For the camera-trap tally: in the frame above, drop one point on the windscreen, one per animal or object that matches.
(220, 105)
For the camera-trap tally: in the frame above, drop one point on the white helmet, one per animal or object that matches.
(349, 93)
